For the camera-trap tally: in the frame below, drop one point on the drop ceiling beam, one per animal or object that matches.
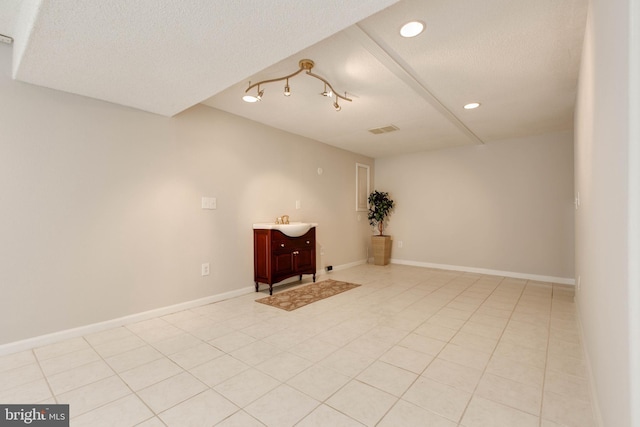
(392, 61)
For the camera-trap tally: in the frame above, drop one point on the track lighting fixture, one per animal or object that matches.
(305, 65)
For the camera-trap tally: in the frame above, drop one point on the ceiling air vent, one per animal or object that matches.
(384, 129)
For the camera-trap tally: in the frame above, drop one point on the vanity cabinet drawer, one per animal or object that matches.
(282, 241)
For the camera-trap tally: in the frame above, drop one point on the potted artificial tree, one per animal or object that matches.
(380, 207)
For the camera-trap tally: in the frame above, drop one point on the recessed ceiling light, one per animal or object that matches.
(411, 29)
(472, 105)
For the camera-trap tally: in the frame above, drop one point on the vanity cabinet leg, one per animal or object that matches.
(256, 286)
(270, 289)
(314, 278)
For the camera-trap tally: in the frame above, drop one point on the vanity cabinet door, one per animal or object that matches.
(282, 264)
(283, 248)
(303, 260)
(305, 253)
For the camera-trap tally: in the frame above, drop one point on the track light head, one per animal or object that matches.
(326, 93)
(252, 98)
(287, 89)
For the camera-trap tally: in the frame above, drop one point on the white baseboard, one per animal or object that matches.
(348, 265)
(66, 334)
(80, 331)
(54, 337)
(515, 275)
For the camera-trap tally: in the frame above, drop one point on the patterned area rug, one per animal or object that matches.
(299, 297)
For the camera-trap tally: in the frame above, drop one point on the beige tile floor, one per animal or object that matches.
(410, 347)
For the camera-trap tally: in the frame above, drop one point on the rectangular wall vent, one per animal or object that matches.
(384, 129)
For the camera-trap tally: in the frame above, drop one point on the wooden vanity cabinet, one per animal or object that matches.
(277, 256)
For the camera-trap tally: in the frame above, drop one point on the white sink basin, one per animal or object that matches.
(293, 229)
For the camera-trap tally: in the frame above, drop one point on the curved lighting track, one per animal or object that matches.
(305, 65)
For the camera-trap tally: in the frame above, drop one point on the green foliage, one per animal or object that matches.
(380, 207)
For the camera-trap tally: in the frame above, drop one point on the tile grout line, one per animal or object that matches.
(398, 398)
(377, 316)
(546, 357)
(116, 374)
(436, 355)
(46, 379)
(493, 351)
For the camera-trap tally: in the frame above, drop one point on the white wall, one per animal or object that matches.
(101, 218)
(505, 206)
(606, 159)
(634, 210)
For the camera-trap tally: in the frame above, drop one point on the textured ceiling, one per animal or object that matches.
(164, 56)
(519, 58)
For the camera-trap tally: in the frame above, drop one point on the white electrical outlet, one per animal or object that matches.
(578, 284)
(297, 204)
(209, 203)
(205, 269)
(399, 243)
